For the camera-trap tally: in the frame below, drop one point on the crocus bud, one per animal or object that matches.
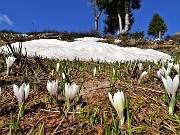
(52, 87)
(142, 75)
(176, 67)
(156, 62)
(63, 75)
(57, 67)
(118, 103)
(9, 62)
(94, 71)
(71, 90)
(22, 92)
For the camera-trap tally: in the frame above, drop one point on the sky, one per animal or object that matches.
(77, 15)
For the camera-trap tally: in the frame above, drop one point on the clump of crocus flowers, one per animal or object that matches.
(170, 84)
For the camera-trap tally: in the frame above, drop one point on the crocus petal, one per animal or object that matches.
(158, 74)
(119, 104)
(142, 75)
(170, 64)
(110, 98)
(176, 67)
(7, 63)
(21, 93)
(74, 90)
(169, 86)
(0, 91)
(67, 93)
(16, 90)
(27, 88)
(164, 82)
(175, 84)
(49, 87)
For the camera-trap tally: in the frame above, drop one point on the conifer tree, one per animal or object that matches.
(157, 26)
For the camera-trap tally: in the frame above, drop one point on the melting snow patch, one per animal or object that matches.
(87, 49)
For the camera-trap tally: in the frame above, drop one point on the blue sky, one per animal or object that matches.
(77, 15)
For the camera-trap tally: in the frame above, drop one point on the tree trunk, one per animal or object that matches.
(127, 23)
(96, 24)
(120, 24)
(160, 35)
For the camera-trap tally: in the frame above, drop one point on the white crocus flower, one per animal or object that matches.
(176, 67)
(118, 103)
(94, 71)
(140, 66)
(142, 75)
(0, 91)
(70, 92)
(57, 67)
(22, 92)
(9, 62)
(52, 87)
(99, 68)
(171, 87)
(63, 75)
(156, 62)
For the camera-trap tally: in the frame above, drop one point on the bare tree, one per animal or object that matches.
(97, 13)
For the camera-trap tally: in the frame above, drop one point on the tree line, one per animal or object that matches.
(119, 17)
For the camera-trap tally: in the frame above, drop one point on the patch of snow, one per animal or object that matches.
(87, 49)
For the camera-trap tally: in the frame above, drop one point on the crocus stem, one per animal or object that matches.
(68, 103)
(171, 106)
(7, 72)
(128, 116)
(21, 111)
